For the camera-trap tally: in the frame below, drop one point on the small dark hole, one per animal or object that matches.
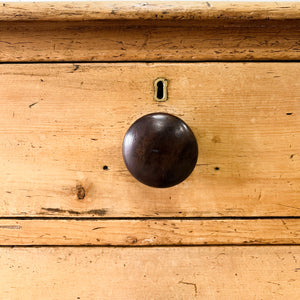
(217, 168)
(160, 90)
(289, 114)
(105, 168)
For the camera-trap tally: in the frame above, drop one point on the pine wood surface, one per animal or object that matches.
(136, 10)
(161, 31)
(150, 232)
(61, 131)
(98, 41)
(256, 272)
(63, 123)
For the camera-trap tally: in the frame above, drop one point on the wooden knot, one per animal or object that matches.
(80, 191)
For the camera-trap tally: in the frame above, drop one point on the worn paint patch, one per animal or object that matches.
(99, 212)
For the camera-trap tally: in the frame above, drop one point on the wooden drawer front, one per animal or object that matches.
(62, 123)
(150, 273)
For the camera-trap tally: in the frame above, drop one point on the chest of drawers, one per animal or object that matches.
(74, 78)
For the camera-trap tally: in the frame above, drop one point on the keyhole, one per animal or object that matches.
(160, 89)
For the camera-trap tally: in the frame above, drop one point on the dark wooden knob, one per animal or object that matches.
(160, 150)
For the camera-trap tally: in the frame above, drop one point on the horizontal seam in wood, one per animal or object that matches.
(151, 218)
(145, 61)
(149, 246)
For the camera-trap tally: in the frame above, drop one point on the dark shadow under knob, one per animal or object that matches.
(160, 150)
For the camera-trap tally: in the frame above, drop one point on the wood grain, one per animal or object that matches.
(62, 128)
(150, 273)
(175, 41)
(156, 31)
(136, 10)
(149, 232)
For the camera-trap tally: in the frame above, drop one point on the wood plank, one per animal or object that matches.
(269, 272)
(98, 41)
(156, 31)
(62, 123)
(135, 10)
(149, 232)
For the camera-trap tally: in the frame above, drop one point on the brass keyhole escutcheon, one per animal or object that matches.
(161, 90)
(160, 150)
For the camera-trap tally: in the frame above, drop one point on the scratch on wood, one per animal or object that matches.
(11, 226)
(33, 104)
(273, 282)
(259, 196)
(191, 283)
(288, 206)
(76, 67)
(284, 224)
(96, 228)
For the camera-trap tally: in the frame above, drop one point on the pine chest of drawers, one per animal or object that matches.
(76, 224)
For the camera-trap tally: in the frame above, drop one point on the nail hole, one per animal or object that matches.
(289, 114)
(105, 168)
(217, 168)
(160, 87)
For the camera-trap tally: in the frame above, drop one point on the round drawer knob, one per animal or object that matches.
(160, 150)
